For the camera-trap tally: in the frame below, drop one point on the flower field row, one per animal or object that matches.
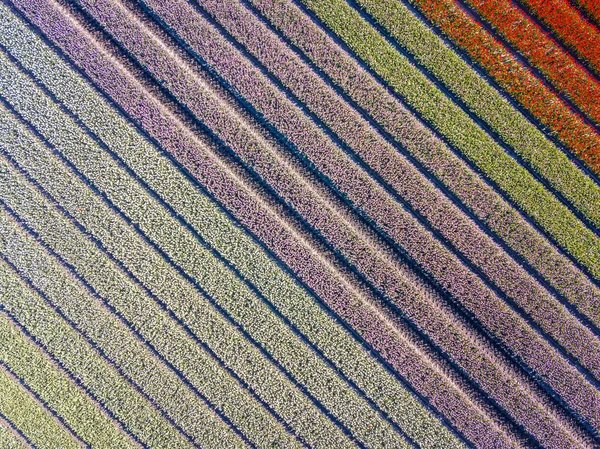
(363, 252)
(289, 223)
(337, 295)
(137, 39)
(157, 430)
(530, 91)
(559, 68)
(459, 230)
(129, 354)
(203, 377)
(278, 180)
(491, 209)
(512, 127)
(570, 27)
(370, 146)
(591, 7)
(463, 133)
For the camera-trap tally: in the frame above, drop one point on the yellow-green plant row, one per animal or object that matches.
(10, 439)
(463, 133)
(27, 414)
(104, 329)
(27, 362)
(148, 318)
(142, 420)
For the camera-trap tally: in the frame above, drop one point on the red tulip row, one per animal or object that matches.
(570, 27)
(561, 69)
(591, 7)
(516, 79)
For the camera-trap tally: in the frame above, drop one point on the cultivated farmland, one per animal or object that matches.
(299, 224)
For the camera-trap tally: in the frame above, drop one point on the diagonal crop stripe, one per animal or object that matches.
(295, 224)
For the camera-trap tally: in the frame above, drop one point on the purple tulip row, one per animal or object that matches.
(393, 117)
(267, 227)
(381, 157)
(149, 119)
(192, 91)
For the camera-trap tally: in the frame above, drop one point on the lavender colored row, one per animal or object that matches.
(324, 332)
(281, 239)
(421, 143)
(193, 92)
(380, 156)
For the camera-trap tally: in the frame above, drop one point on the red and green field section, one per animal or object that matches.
(299, 224)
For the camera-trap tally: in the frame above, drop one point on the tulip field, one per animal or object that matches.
(328, 224)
